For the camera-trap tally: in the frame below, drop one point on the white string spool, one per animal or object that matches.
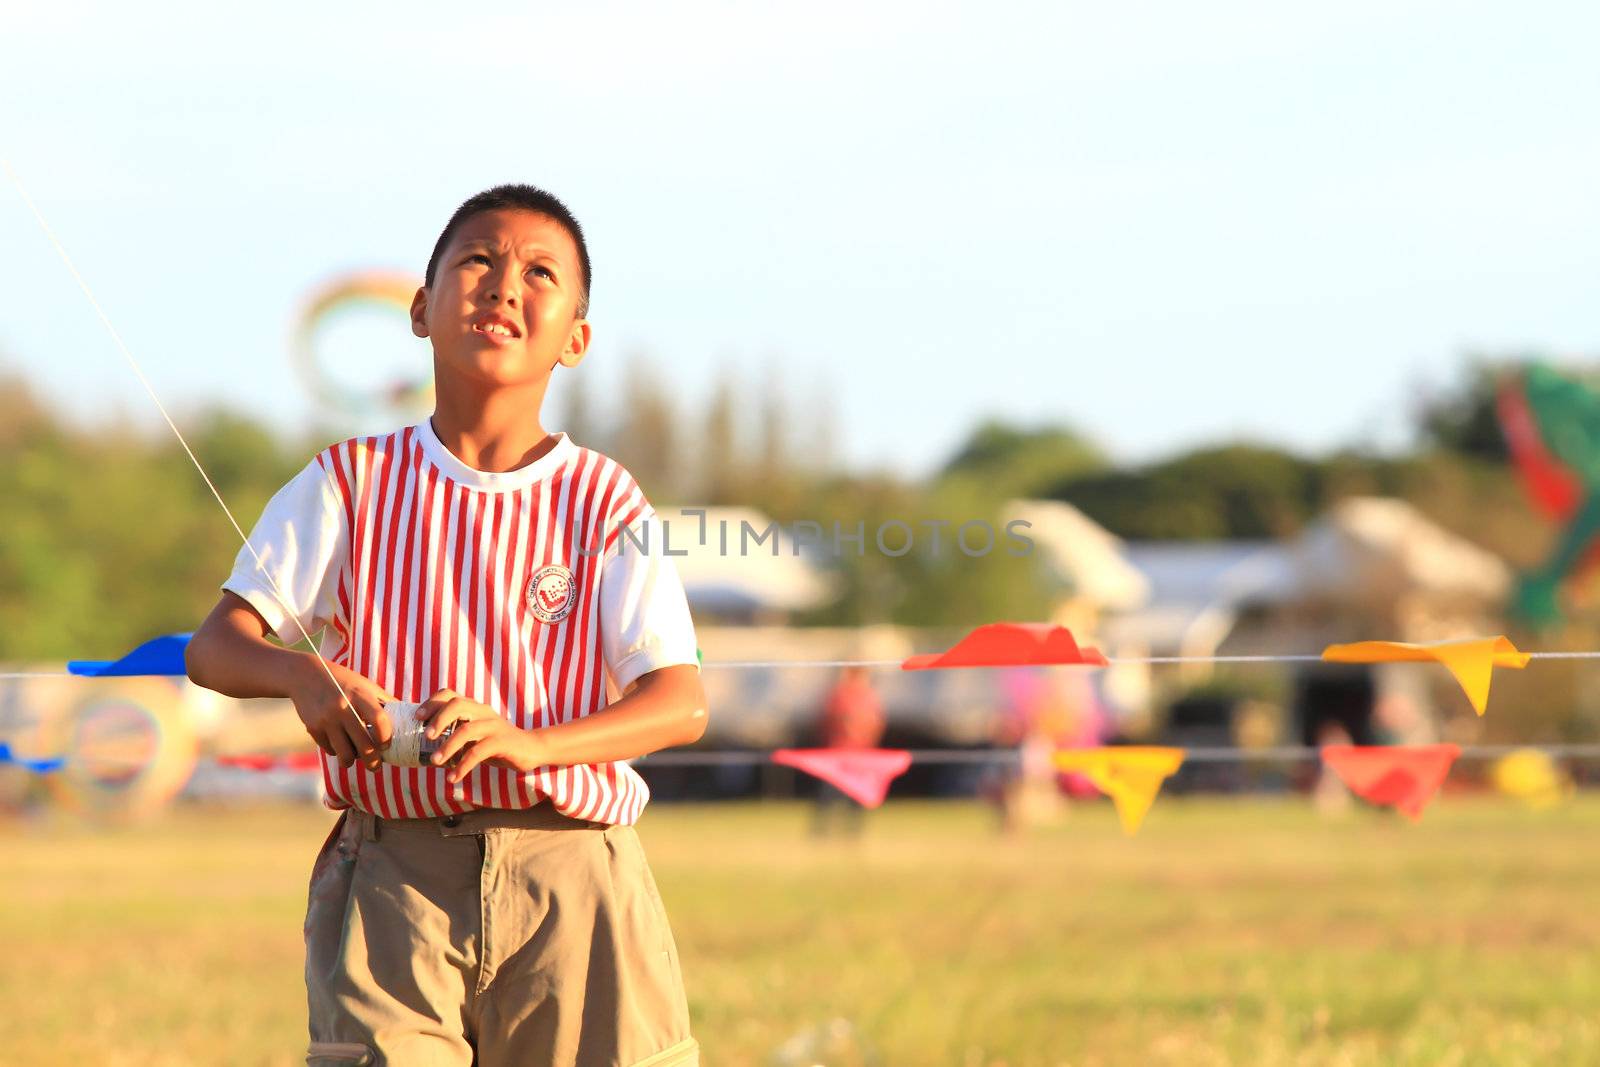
(408, 745)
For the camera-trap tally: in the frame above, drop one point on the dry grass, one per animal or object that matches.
(1228, 932)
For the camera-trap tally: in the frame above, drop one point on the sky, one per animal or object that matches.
(1163, 224)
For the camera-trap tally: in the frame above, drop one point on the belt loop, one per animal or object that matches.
(370, 827)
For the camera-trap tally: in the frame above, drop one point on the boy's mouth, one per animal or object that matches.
(496, 327)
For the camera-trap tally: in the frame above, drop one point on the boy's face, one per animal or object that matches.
(503, 307)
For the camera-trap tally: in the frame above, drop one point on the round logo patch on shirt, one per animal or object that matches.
(551, 593)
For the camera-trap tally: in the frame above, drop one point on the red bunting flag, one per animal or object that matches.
(1011, 644)
(248, 762)
(294, 761)
(1399, 776)
(863, 774)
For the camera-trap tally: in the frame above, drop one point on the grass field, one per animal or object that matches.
(1247, 932)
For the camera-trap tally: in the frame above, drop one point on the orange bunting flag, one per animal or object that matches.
(862, 774)
(1011, 644)
(1131, 776)
(1399, 776)
(1472, 662)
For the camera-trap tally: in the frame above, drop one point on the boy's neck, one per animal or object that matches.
(495, 432)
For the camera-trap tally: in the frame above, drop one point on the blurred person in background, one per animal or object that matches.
(852, 718)
(1043, 711)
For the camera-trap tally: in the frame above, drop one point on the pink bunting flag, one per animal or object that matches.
(863, 774)
(1011, 644)
(1399, 776)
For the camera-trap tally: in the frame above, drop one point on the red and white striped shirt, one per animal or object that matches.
(418, 571)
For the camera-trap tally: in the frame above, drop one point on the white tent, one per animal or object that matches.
(1367, 549)
(1086, 557)
(739, 572)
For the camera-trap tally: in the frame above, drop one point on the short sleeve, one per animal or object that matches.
(644, 615)
(301, 541)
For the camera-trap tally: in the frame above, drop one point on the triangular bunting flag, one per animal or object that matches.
(1472, 662)
(249, 763)
(863, 774)
(1398, 776)
(160, 655)
(1130, 775)
(1011, 644)
(293, 761)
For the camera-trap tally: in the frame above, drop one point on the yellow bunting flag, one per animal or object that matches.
(1472, 662)
(1130, 776)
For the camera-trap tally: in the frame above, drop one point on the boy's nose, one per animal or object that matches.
(503, 288)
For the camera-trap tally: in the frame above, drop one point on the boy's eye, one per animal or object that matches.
(543, 270)
(477, 257)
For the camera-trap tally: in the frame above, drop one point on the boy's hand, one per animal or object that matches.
(338, 721)
(492, 738)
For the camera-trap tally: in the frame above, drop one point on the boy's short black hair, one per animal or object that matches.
(522, 198)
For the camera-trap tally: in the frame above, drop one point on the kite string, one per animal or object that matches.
(116, 338)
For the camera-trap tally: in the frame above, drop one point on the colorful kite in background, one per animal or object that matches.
(1552, 426)
(408, 393)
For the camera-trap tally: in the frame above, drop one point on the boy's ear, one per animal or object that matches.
(577, 344)
(419, 313)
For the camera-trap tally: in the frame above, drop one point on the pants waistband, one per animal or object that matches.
(542, 816)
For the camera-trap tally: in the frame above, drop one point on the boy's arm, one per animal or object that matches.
(663, 708)
(283, 582)
(230, 654)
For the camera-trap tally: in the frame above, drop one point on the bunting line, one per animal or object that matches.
(958, 756)
(769, 664)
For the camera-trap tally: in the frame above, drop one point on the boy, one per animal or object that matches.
(493, 906)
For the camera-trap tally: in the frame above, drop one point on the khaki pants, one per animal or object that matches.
(490, 939)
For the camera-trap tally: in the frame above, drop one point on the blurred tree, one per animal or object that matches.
(648, 437)
(1007, 460)
(111, 536)
(1461, 418)
(1234, 491)
(723, 456)
(919, 574)
(578, 418)
(776, 469)
(821, 441)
